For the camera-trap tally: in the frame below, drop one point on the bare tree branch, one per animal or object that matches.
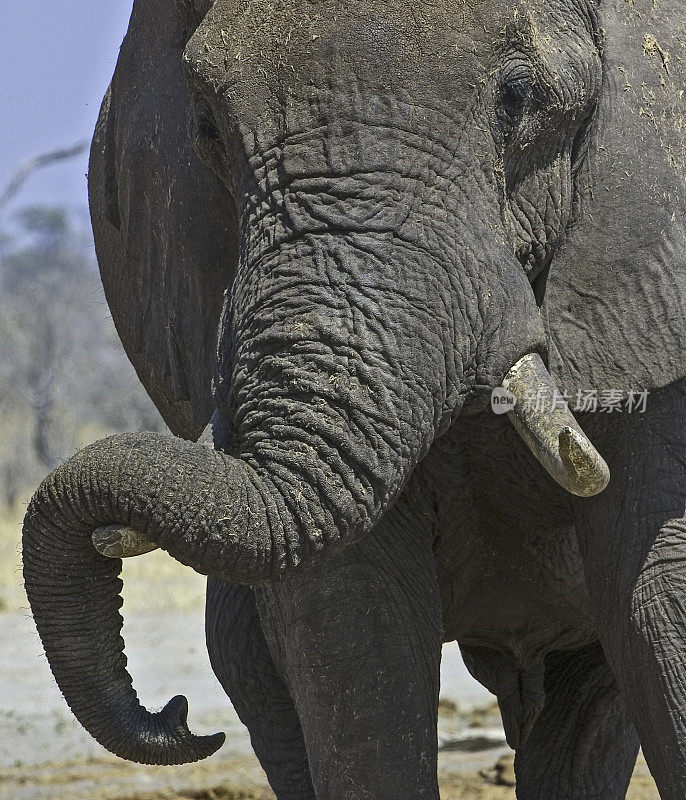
(36, 162)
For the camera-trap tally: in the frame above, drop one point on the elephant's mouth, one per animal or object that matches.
(547, 427)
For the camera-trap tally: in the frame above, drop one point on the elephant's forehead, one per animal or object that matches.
(423, 44)
(289, 20)
(392, 38)
(437, 54)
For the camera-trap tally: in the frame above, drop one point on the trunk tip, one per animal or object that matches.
(171, 742)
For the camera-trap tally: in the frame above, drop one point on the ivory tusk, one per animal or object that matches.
(117, 541)
(551, 432)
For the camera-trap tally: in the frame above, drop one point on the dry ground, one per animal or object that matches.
(234, 779)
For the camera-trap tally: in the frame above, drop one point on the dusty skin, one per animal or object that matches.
(45, 755)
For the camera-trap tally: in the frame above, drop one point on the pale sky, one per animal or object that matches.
(56, 59)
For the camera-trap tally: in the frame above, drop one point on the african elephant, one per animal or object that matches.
(334, 229)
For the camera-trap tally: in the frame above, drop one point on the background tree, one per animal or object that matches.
(64, 378)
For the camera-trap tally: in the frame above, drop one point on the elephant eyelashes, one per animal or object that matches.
(515, 91)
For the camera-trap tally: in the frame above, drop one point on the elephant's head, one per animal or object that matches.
(383, 189)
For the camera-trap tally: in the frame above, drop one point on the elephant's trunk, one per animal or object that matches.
(342, 357)
(232, 521)
(75, 596)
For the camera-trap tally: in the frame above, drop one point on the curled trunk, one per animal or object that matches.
(341, 358)
(233, 521)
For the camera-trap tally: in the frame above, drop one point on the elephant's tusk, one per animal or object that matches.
(551, 432)
(117, 541)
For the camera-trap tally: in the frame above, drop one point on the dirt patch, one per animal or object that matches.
(241, 779)
(234, 777)
(217, 793)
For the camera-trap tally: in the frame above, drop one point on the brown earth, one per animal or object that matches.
(237, 779)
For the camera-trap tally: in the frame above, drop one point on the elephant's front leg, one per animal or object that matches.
(633, 541)
(359, 640)
(244, 666)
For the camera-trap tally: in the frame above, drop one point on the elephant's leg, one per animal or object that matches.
(633, 543)
(241, 660)
(583, 745)
(243, 663)
(360, 638)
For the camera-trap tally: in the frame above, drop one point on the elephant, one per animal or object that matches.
(329, 233)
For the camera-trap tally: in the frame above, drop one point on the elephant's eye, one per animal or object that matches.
(515, 90)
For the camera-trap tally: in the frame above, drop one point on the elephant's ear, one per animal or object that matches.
(615, 298)
(165, 228)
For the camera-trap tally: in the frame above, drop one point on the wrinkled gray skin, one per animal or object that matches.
(402, 200)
